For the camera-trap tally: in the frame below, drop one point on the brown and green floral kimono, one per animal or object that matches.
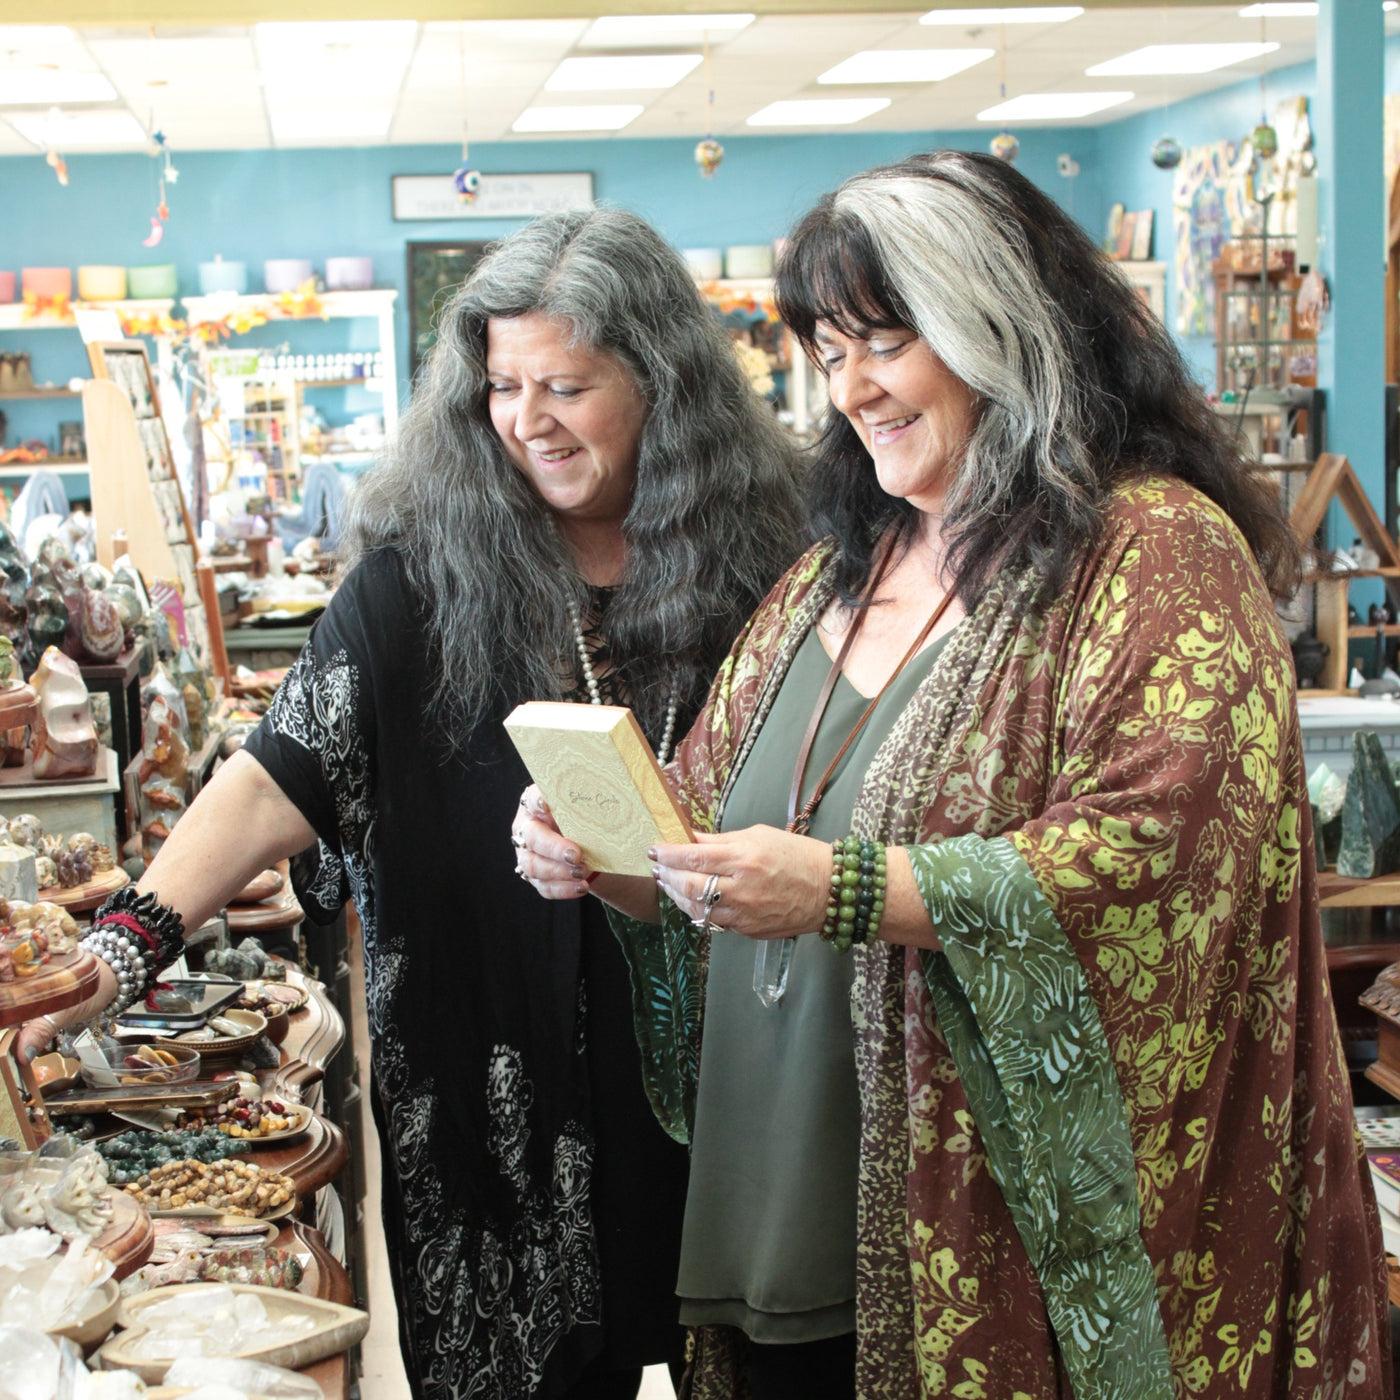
(1107, 1146)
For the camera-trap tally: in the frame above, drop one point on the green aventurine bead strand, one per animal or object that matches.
(856, 901)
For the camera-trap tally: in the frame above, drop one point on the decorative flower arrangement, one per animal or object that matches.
(35, 306)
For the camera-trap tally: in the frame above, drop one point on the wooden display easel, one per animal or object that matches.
(130, 464)
(1332, 477)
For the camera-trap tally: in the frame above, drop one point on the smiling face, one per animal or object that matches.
(913, 414)
(569, 417)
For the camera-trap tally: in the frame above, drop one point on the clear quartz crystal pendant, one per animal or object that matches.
(771, 963)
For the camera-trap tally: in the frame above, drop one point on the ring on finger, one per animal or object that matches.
(709, 897)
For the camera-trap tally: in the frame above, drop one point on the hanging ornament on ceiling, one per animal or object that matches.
(156, 234)
(170, 174)
(1004, 145)
(465, 180)
(1166, 153)
(59, 165)
(1264, 139)
(709, 153)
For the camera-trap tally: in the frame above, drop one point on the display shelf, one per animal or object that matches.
(13, 318)
(377, 305)
(41, 391)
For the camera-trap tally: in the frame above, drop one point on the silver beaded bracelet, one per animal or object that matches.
(119, 951)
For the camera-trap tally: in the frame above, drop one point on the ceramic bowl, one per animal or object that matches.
(349, 274)
(706, 264)
(48, 281)
(102, 283)
(151, 282)
(221, 276)
(749, 260)
(7, 287)
(285, 274)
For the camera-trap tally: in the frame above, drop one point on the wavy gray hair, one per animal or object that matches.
(1078, 384)
(715, 514)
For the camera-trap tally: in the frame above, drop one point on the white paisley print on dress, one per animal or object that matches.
(483, 1313)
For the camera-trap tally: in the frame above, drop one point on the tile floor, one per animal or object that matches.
(382, 1375)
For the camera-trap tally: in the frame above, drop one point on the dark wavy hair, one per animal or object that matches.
(715, 516)
(1080, 386)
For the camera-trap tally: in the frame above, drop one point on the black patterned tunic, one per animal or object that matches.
(531, 1203)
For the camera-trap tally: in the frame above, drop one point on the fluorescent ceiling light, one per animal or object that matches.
(301, 35)
(332, 126)
(33, 36)
(70, 131)
(43, 87)
(1019, 15)
(1178, 58)
(620, 74)
(632, 29)
(820, 111)
(1281, 9)
(593, 118)
(1051, 106)
(905, 65)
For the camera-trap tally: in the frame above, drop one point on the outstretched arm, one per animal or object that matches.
(241, 823)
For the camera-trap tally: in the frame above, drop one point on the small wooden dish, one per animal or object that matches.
(260, 887)
(254, 1023)
(337, 1329)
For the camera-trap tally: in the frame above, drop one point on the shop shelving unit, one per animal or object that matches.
(13, 318)
(806, 390)
(377, 305)
(1257, 335)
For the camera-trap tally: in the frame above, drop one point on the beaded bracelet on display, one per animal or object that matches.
(856, 904)
(136, 936)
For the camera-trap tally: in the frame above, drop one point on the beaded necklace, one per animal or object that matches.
(595, 695)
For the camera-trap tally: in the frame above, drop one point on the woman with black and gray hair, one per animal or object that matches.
(1073, 1118)
(586, 501)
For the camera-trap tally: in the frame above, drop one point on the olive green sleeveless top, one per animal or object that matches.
(770, 1225)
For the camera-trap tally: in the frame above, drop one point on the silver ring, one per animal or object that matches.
(517, 841)
(709, 896)
(521, 873)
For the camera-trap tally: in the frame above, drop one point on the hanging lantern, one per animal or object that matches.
(708, 155)
(467, 183)
(1264, 139)
(1166, 154)
(1006, 147)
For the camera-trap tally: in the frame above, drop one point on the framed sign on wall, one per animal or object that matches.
(499, 196)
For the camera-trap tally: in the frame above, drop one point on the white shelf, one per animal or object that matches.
(12, 317)
(377, 305)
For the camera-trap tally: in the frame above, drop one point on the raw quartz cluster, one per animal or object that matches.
(36, 1368)
(44, 1286)
(213, 1320)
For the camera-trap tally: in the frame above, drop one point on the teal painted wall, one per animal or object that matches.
(253, 205)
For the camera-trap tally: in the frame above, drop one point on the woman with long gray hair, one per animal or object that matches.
(585, 503)
(1020, 737)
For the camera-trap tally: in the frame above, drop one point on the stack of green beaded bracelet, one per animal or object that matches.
(857, 900)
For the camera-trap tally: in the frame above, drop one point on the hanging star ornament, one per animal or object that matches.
(60, 166)
(172, 176)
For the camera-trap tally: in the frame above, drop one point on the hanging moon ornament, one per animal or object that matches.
(467, 183)
(156, 234)
(708, 155)
(1166, 154)
(1006, 147)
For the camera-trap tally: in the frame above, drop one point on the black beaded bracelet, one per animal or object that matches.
(163, 928)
